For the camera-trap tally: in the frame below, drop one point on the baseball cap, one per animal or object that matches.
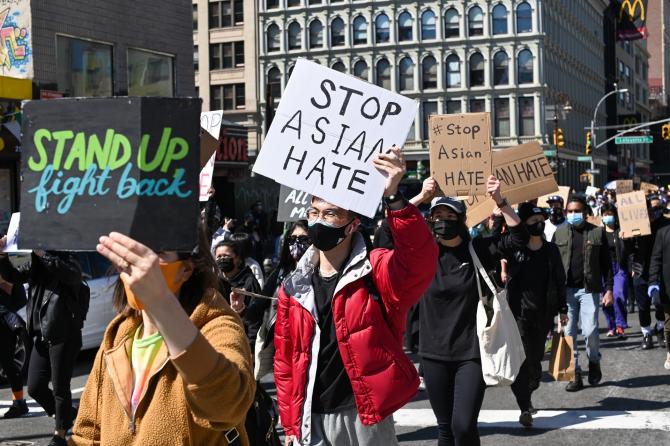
(452, 203)
(527, 210)
(554, 199)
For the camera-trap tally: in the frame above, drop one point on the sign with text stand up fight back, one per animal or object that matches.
(633, 214)
(327, 129)
(460, 152)
(95, 165)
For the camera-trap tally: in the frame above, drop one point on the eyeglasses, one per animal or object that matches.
(330, 216)
(303, 239)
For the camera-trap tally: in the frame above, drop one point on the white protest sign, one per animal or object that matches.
(206, 175)
(327, 129)
(13, 235)
(211, 122)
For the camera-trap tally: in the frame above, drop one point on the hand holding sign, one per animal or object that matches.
(493, 188)
(392, 166)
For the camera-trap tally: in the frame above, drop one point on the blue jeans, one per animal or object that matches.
(584, 306)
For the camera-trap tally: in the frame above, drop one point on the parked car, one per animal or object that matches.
(96, 271)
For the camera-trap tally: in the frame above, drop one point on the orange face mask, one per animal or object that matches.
(174, 283)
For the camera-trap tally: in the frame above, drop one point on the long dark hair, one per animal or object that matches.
(203, 278)
(286, 261)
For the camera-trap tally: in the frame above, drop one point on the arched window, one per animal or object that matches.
(405, 27)
(290, 72)
(429, 73)
(274, 82)
(273, 38)
(475, 21)
(383, 74)
(406, 74)
(525, 67)
(337, 32)
(360, 30)
(315, 34)
(361, 70)
(428, 25)
(524, 18)
(476, 70)
(339, 66)
(500, 20)
(500, 68)
(294, 36)
(453, 71)
(382, 29)
(451, 25)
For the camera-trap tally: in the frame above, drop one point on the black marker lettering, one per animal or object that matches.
(356, 179)
(325, 92)
(288, 126)
(300, 161)
(318, 129)
(339, 171)
(345, 104)
(391, 109)
(316, 168)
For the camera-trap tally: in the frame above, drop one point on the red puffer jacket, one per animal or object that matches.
(370, 339)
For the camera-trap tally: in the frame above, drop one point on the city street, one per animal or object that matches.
(631, 406)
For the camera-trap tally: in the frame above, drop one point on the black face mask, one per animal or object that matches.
(536, 229)
(556, 216)
(656, 213)
(225, 264)
(326, 237)
(447, 229)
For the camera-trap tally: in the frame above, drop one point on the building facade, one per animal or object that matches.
(526, 62)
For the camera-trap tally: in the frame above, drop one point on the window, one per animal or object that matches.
(383, 74)
(526, 117)
(271, 4)
(226, 55)
(339, 66)
(291, 3)
(227, 13)
(501, 110)
(150, 74)
(361, 70)
(315, 34)
(337, 32)
(451, 25)
(476, 70)
(500, 68)
(315, 2)
(360, 30)
(453, 71)
(500, 20)
(525, 67)
(477, 106)
(475, 21)
(405, 27)
(406, 74)
(429, 73)
(453, 107)
(273, 38)
(196, 59)
(428, 108)
(84, 67)
(274, 83)
(195, 17)
(294, 36)
(382, 29)
(428, 25)
(524, 18)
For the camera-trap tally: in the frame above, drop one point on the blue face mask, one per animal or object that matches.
(474, 232)
(575, 219)
(609, 220)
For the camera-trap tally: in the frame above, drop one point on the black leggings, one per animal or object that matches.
(7, 346)
(456, 392)
(534, 337)
(54, 363)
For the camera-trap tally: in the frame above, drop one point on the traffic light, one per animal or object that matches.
(559, 139)
(665, 132)
(585, 178)
(589, 145)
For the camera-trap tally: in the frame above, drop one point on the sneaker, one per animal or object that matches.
(647, 342)
(57, 441)
(620, 333)
(19, 408)
(610, 334)
(595, 374)
(667, 362)
(576, 385)
(422, 384)
(526, 419)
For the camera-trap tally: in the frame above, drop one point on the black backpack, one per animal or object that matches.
(83, 299)
(261, 422)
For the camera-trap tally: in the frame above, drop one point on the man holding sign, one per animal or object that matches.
(340, 308)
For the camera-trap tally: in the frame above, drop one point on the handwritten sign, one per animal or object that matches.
(95, 165)
(293, 204)
(13, 235)
(328, 128)
(623, 187)
(633, 215)
(563, 192)
(648, 188)
(210, 122)
(460, 152)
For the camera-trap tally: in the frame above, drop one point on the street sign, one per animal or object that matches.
(549, 153)
(593, 171)
(586, 159)
(634, 139)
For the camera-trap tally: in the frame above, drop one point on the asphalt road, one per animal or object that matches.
(631, 406)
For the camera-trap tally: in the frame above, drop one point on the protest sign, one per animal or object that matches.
(95, 165)
(524, 174)
(591, 191)
(633, 215)
(648, 188)
(206, 175)
(563, 192)
(293, 204)
(210, 122)
(13, 235)
(327, 129)
(595, 220)
(460, 152)
(624, 187)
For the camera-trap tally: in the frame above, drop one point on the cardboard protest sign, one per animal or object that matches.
(12, 244)
(563, 191)
(293, 204)
(460, 152)
(327, 129)
(633, 215)
(648, 188)
(524, 174)
(623, 187)
(96, 165)
(595, 220)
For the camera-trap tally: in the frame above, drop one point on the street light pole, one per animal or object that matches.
(593, 124)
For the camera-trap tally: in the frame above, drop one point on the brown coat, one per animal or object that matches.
(191, 399)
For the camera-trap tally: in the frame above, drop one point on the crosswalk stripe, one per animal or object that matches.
(33, 407)
(550, 419)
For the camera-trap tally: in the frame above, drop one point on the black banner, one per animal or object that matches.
(631, 19)
(293, 204)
